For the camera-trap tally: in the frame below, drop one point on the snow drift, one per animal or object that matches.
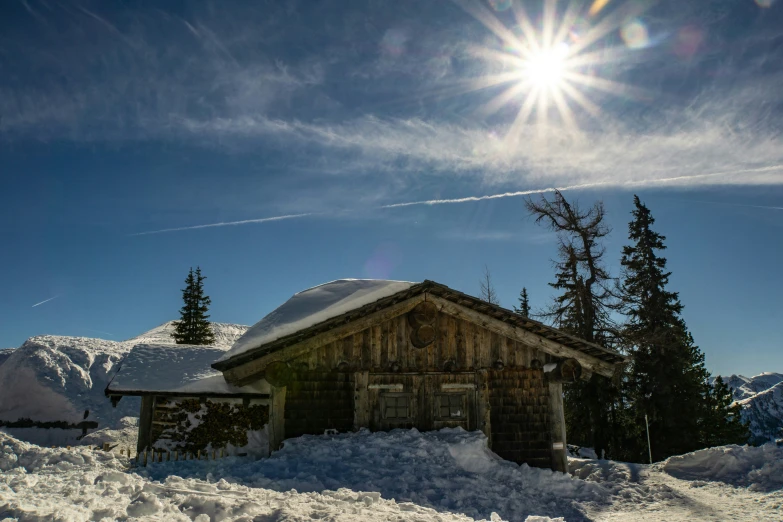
(449, 470)
(438, 477)
(760, 468)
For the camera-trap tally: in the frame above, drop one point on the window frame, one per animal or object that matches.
(397, 395)
(463, 395)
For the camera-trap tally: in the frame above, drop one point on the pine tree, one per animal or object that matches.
(193, 326)
(583, 308)
(488, 293)
(524, 304)
(668, 380)
(723, 422)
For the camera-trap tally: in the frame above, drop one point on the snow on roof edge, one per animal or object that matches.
(302, 311)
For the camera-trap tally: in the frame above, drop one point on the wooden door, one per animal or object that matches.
(422, 401)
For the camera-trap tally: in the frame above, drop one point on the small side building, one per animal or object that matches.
(187, 406)
(377, 354)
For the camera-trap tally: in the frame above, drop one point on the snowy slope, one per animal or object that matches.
(401, 476)
(746, 387)
(225, 334)
(764, 412)
(313, 306)
(5, 353)
(57, 378)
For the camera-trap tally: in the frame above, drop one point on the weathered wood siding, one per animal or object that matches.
(340, 385)
(386, 347)
(520, 416)
(318, 400)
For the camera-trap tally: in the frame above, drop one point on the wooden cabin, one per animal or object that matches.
(381, 355)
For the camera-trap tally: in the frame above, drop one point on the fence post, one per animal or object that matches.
(145, 458)
(176, 455)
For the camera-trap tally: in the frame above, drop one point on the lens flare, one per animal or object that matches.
(500, 5)
(634, 34)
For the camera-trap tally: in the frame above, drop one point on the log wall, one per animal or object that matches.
(386, 347)
(520, 416)
(319, 400)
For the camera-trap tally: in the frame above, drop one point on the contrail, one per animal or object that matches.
(46, 301)
(227, 224)
(468, 199)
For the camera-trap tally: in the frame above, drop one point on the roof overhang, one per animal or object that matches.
(248, 366)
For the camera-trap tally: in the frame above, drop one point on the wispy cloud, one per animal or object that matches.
(45, 301)
(225, 224)
(227, 79)
(675, 180)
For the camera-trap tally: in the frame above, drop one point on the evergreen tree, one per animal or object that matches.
(583, 308)
(668, 380)
(723, 422)
(488, 293)
(193, 326)
(524, 304)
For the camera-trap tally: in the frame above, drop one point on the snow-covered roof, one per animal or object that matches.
(173, 369)
(313, 306)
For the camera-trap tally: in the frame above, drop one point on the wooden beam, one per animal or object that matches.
(482, 403)
(558, 431)
(253, 370)
(361, 401)
(588, 362)
(277, 419)
(145, 423)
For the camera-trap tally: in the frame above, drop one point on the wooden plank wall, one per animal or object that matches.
(318, 400)
(386, 347)
(520, 416)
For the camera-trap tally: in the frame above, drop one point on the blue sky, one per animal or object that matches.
(126, 118)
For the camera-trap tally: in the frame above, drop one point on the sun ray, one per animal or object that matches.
(582, 100)
(523, 21)
(548, 23)
(554, 63)
(497, 103)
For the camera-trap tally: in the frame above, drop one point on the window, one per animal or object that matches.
(452, 406)
(395, 406)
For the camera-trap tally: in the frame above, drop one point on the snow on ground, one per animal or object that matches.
(400, 476)
(80, 484)
(313, 306)
(735, 483)
(760, 468)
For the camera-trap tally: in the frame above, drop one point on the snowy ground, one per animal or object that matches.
(402, 475)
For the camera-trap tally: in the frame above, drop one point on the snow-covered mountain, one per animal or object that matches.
(761, 398)
(58, 378)
(746, 387)
(5, 353)
(764, 412)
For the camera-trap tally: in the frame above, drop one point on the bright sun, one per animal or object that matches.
(545, 66)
